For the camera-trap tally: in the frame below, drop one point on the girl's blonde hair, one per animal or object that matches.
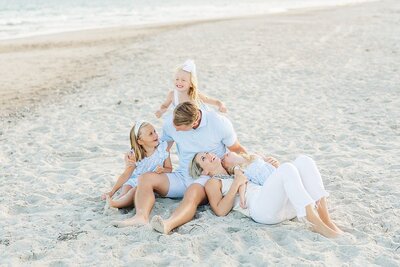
(249, 159)
(195, 170)
(193, 92)
(140, 152)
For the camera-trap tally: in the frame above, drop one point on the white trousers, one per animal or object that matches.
(287, 192)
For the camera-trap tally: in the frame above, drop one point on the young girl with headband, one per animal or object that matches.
(147, 154)
(186, 90)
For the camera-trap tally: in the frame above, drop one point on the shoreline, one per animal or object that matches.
(19, 98)
(173, 24)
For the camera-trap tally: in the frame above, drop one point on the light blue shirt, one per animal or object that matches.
(149, 164)
(214, 134)
(258, 171)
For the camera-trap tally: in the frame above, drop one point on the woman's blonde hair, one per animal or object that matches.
(186, 113)
(249, 159)
(193, 93)
(140, 152)
(195, 170)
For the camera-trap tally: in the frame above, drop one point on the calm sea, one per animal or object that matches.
(22, 18)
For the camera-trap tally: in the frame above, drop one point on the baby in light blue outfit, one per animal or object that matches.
(258, 171)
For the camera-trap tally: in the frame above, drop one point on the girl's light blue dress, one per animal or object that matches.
(149, 164)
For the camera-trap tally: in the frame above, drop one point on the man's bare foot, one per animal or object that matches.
(157, 224)
(134, 221)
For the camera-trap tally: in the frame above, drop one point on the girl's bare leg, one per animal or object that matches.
(317, 224)
(125, 189)
(124, 201)
(322, 208)
(148, 183)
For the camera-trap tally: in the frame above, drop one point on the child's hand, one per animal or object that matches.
(104, 196)
(158, 114)
(222, 108)
(273, 161)
(159, 169)
(240, 178)
(130, 159)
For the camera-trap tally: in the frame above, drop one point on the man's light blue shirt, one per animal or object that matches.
(214, 134)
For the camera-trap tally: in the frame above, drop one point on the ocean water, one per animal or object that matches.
(22, 18)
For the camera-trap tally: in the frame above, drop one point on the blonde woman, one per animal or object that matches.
(293, 189)
(256, 168)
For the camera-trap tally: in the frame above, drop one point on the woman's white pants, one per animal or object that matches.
(287, 192)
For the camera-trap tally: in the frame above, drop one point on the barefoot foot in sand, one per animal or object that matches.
(134, 221)
(157, 223)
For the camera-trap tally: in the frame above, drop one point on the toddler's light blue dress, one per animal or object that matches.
(258, 171)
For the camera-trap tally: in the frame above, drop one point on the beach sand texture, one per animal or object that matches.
(325, 82)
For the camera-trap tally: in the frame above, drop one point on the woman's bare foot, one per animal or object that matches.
(322, 209)
(134, 221)
(324, 230)
(157, 223)
(318, 225)
(334, 227)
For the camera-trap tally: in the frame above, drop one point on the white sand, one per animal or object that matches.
(321, 82)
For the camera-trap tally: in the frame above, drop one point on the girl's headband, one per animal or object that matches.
(138, 124)
(189, 66)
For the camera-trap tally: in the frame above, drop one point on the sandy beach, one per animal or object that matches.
(324, 82)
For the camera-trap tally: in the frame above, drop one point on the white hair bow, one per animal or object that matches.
(189, 66)
(138, 124)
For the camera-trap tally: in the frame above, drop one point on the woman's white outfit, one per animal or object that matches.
(285, 194)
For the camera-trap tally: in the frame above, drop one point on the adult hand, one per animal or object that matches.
(130, 159)
(273, 161)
